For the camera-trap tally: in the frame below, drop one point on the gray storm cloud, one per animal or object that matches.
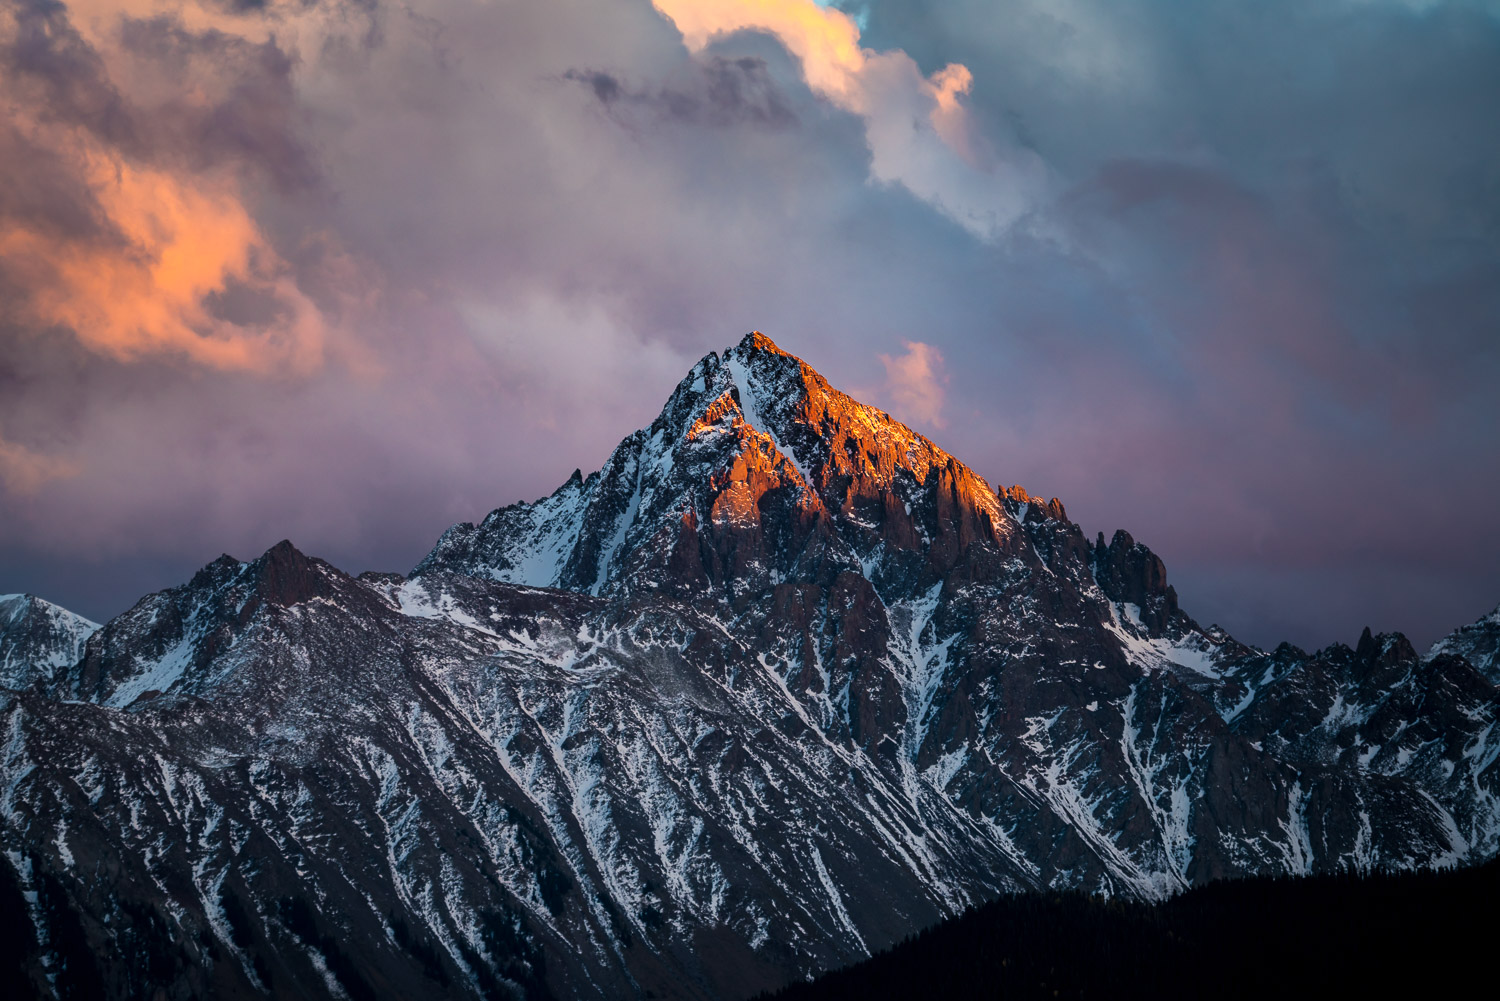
(1224, 275)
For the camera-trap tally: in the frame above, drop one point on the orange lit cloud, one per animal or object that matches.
(169, 250)
(916, 382)
(917, 128)
(181, 240)
(825, 40)
(949, 118)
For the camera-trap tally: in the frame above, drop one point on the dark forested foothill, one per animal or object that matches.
(1415, 934)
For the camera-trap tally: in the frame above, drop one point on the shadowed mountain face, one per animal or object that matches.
(38, 639)
(780, 684)
(1478, 643)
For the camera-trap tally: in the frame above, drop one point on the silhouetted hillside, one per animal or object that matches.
(1424, 934)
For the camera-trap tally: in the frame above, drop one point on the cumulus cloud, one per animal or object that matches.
(168, 249)
(916, 126)
(141, 240)
(917, 382)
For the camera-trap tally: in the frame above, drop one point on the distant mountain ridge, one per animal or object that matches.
(1478, 643)
(37, 639)
(778, 685)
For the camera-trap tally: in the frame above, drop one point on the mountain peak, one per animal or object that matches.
(285, 576)
(162, 642)
(1130, 573)
(757, 341)
(38, 638)
(757, 458)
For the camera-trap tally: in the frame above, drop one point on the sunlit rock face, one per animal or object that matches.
(780, 684)
(773, 472)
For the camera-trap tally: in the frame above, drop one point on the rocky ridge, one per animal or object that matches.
(38, 639)
(1478, 643)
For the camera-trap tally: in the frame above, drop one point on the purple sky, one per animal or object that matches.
(1226, 275)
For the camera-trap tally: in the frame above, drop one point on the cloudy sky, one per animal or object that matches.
(347, 271)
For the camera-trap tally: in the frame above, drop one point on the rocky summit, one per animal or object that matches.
(779, 685)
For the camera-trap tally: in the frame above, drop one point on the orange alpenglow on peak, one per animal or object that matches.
(714, 418)
(757, 341)
(784, 476)
(1021, 495)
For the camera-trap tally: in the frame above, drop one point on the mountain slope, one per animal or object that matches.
(778, 685)
(1478, 643)
(37, 638)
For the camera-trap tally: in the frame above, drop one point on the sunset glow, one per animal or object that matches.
(1158, 260)
(747, 499)
(143, 287)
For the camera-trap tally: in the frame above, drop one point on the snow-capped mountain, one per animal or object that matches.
(37, 639)
(1478, 643)
(780, 684)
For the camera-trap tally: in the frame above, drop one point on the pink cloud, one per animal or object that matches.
(23, 471)
(917, 382)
